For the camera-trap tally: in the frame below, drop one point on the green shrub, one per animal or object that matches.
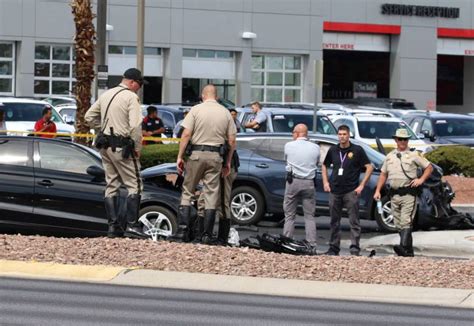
(454, 159)
(158, 154)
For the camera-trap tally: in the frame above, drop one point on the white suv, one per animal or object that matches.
(21, 115)
(368, 128)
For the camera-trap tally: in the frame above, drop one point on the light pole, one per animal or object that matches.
(141, 41)
(318, 84)
(101, 48)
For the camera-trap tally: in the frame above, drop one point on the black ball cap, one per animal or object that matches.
(134, 74)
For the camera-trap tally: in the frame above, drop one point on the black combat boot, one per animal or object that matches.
(112, 211)
(405, 248)
(223, 233)
(209, 220)
(198, 229)
(134, 229)
(184, 218)
(408, 245)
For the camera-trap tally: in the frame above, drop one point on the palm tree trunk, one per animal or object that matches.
(84, 49)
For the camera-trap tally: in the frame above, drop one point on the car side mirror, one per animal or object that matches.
(96, 171)
(426, 133)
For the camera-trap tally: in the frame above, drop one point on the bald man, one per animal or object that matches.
(207, 127)
(302, 157)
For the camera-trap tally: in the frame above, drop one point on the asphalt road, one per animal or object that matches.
(369, 229)
(38, 302)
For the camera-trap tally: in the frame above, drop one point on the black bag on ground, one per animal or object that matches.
(281, 244)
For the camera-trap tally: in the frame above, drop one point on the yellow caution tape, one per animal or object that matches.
(64, 134)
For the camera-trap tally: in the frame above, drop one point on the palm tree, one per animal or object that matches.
(84, 49)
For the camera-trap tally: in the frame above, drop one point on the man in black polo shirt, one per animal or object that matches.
(347, 161)
(152, 126)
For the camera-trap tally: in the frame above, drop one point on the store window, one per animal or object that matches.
(276, 78)
(132, 50)
(207, 54)
(192, 89)
(54, 69)
(7, 68)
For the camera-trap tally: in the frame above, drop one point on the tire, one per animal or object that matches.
(247, 205)
(168, 218)
(386, 222)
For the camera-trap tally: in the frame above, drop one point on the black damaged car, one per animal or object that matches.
(54, 186)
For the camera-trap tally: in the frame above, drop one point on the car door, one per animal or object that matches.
(16, 180)
(65, 195)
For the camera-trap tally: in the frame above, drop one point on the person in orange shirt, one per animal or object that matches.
(45, 124)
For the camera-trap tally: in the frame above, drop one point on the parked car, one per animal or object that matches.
(284, 120)
(443, 128)
(67, 112)
(387, 103)
(60, 100)
(368, 128)
(259, 188)
(21, 115)
(49, 185)
(170, 115)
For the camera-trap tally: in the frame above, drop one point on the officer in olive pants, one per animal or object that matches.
(400, 169)
(117, 114)
(206, 127)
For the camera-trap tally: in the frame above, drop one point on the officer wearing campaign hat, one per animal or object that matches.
(400, 170)
(117, 115)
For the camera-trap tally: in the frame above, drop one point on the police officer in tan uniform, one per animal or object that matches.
(400, 169)
(206, 127)
(117, 116)
(223, 207)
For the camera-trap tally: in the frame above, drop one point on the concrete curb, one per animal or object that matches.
(454, 244)
(457, 298)
(299, 288)
(58, 271)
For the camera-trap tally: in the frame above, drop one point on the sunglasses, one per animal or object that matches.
(402, 139)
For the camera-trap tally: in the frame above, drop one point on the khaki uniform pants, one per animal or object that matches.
(227, 186)
(205, 166)
(403, 210)
(120, 171)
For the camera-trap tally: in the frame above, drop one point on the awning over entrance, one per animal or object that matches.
(356, 42)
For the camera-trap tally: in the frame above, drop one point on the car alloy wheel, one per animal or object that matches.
(386, 221)
(158, 222)
(246, 205)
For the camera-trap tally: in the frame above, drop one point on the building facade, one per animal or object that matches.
(420, 50)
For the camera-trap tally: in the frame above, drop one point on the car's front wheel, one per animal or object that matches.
(386, 221)
(247, 205)
(158, 220)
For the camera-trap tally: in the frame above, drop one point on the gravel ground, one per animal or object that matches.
(463, 187)
(425, 272)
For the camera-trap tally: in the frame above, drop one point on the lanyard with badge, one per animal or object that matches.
(343, 158)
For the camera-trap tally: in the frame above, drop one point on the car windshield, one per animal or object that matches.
(27, 112)
(454, 127)
(382, 129)
(286, 123)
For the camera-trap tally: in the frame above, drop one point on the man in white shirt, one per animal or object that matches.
(302, 157)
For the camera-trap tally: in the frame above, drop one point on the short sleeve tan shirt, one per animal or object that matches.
(411, 160)
(210, 124)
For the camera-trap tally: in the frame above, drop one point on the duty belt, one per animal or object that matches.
(205, 148)
(402, 191)
(300, 177)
